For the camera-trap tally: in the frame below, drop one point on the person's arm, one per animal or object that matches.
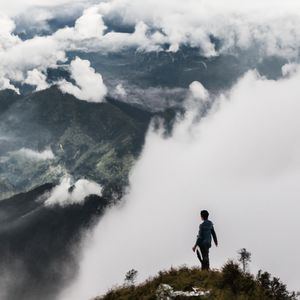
(198, 239)
(214, 235)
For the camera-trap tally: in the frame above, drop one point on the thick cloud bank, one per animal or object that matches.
(270, 28)
(67, 193)
(194, 22)
(241, 162)
(89, 84)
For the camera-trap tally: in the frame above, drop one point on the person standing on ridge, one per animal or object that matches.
(206, 231)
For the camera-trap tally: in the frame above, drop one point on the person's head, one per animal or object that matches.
(204, 214)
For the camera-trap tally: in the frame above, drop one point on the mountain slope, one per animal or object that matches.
(45, 136)
(98, 141)
(39, 244)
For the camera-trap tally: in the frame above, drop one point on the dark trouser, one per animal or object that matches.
(205, 257)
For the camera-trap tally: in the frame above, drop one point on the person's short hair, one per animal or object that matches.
(204, 214)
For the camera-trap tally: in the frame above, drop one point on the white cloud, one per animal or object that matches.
(140, 39)
(273, 25)
(89, 84)
(67, 193)
(38, 79)
(152, 98)
(14, 7)
(35, 155)
(198, 92)
(17, 57)
(272, 28)
(6, 84)
(290, 69)
(120, 90)
(38, 53)
(241, 162)
(89, 26)
(7, 39)
(26, 61)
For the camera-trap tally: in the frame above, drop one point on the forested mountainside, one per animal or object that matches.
(97, 141)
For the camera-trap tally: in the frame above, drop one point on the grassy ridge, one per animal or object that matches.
(227, 284)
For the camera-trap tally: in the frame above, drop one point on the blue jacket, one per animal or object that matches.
(206, 231)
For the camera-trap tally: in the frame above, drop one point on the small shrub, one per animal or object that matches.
(231, 276)
(244, 258)
(273, 287)
(130, 277)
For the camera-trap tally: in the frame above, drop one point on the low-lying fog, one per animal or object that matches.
(241, 162)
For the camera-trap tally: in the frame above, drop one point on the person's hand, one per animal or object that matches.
(194, 248)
